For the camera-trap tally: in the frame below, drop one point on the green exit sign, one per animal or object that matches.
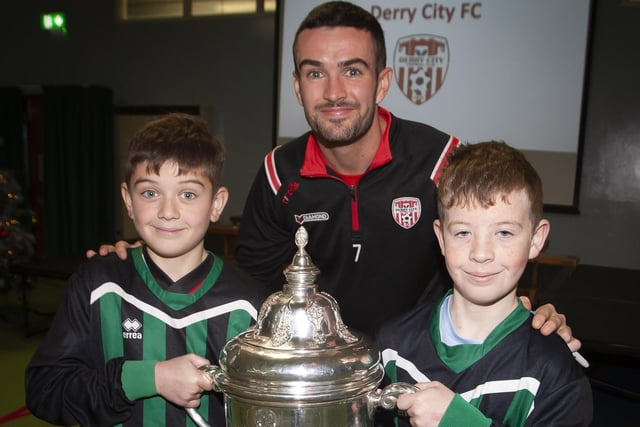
(55, 21)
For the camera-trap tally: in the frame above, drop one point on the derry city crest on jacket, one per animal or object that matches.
(406, 211)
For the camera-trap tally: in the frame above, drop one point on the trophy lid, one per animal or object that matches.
(299, 350)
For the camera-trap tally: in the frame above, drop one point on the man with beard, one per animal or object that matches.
(362, 181)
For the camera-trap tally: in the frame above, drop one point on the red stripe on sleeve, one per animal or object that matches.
(272, 173)
(442, 161)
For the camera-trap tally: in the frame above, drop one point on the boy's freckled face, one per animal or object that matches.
(171, 212)
(487, 249)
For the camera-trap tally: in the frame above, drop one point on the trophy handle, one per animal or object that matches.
(197, 418)
(213, 371)
(388, 396)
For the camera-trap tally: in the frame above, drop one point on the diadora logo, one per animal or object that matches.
(406, 211)
(313, 216)
(131, 328)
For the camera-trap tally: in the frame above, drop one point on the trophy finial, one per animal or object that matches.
(301, 271)
(302, 237)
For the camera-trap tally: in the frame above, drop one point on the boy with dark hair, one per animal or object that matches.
(474, 354)
(127, 341)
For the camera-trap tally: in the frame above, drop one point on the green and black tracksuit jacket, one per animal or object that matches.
(117, 318)
(516, 377)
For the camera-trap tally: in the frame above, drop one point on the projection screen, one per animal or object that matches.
(511, 70)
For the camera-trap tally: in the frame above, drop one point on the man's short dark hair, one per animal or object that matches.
(345, 14)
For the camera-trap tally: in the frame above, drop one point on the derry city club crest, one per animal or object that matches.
(420, 63)
(406, 211)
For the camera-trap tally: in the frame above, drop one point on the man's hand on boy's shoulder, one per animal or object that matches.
(548, 320)
(120, 249)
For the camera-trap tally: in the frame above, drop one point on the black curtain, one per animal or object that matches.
(12, 143)
(78, 162)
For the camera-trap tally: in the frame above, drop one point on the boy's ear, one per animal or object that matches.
(219, 202)
(126, 198)
(540, 234)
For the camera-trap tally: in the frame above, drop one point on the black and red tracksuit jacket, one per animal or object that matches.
(373, 242)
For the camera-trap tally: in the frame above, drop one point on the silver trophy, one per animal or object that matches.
(299, 365)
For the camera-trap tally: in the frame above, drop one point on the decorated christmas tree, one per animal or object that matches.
(16, 239)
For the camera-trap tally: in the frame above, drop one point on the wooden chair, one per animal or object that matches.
(229, 232)
(544, 259)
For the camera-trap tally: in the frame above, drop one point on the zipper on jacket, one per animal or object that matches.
(355, 222)
(356, 239)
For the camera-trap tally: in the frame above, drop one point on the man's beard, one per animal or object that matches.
(339, 132)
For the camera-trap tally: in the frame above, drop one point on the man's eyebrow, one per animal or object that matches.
(310, 63)
(354, 61)
(343, 64)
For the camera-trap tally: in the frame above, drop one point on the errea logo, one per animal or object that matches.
(131, 328)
